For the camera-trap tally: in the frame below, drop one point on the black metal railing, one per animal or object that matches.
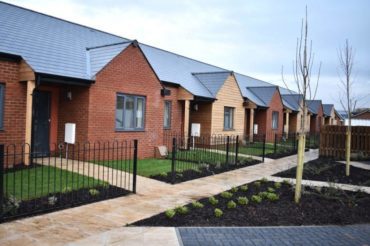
(34, 182)
(195, 157)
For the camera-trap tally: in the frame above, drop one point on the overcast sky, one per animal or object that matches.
(256, 38)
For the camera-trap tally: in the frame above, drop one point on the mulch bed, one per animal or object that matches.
(317, 207)
(329, 170)
(205, 170)
(60, 201)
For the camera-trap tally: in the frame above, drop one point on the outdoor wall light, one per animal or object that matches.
(195, 107)
(69, 95)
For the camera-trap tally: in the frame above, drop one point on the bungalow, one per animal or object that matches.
(112, 88)
(263, 107)
(331, 116)
(317, 115)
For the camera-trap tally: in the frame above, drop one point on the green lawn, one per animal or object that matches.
(41, 181)
(256, 148)
(145, 167)
(148, 167)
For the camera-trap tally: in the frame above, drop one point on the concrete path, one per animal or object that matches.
(360, 164)
(289, 235)
(313, 183)
(152, 197)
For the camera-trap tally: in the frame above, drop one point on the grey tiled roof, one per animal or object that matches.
(48, 44)
(327, 109)
(292, 101)
(313, 106)
(263, 93)
(98, 57)
(212, 81)
(58, 47)
(178, 69)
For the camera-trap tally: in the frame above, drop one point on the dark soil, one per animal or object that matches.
(331, 171)
(201, 172)
(317, 207)
(61, 201)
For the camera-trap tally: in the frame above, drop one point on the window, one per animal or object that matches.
(167, 115)
(275, 119)
(228, 118)
(130, 112)
(2, 89)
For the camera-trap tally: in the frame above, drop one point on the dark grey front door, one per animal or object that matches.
(41, 123)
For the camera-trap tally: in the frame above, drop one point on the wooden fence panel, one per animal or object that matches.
(333, 138)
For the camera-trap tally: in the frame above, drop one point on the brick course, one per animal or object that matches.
(14, 119)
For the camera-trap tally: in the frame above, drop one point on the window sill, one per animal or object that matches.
(133, 130)
(228, 130)
(167, 128)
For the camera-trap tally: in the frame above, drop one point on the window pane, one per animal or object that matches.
(228, 118)
(129, 112)
(119, 112)
(140, 113)
(167, 115)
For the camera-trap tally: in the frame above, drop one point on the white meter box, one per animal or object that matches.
(195, 130)
(70, 133)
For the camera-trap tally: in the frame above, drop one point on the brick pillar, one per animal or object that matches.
(29, 101)
(186, 121)
(286, 130)
(251, 123)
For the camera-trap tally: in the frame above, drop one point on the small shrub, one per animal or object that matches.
(170, 213)
(286, 182)
(256, 199)
(242, 200)
(66, 189)
(277, 185)
(94, 192)
(231, 205)
(218, 212)
(264, 180)
(270, 189)
(163, 175)
(197, 205)
(182, 210)
(52, 200)
(105, 185)
(226, 195)
(263, 194)
(212, 200)
(11, 205)
(257, 184)
(234, 189)
(272, 197)
(244, 188)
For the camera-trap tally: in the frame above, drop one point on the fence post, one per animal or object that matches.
(236, 149)
(227, 149)
(275, 140)
(263, 147)
(1, 180)
(135, 165)
(173, 163)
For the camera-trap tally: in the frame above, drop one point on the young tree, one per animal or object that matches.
(302, 71)
(346, 57)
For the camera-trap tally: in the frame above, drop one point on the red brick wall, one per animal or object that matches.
(264, 118)
(316, 121)
(260, 119)
(365, 116)
(14, 104)
(177, 115)
(74, 111)
(129, 73)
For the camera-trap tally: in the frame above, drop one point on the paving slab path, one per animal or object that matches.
(285, 235)
(69, 225)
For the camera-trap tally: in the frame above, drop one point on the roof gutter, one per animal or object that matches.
(42, 78)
